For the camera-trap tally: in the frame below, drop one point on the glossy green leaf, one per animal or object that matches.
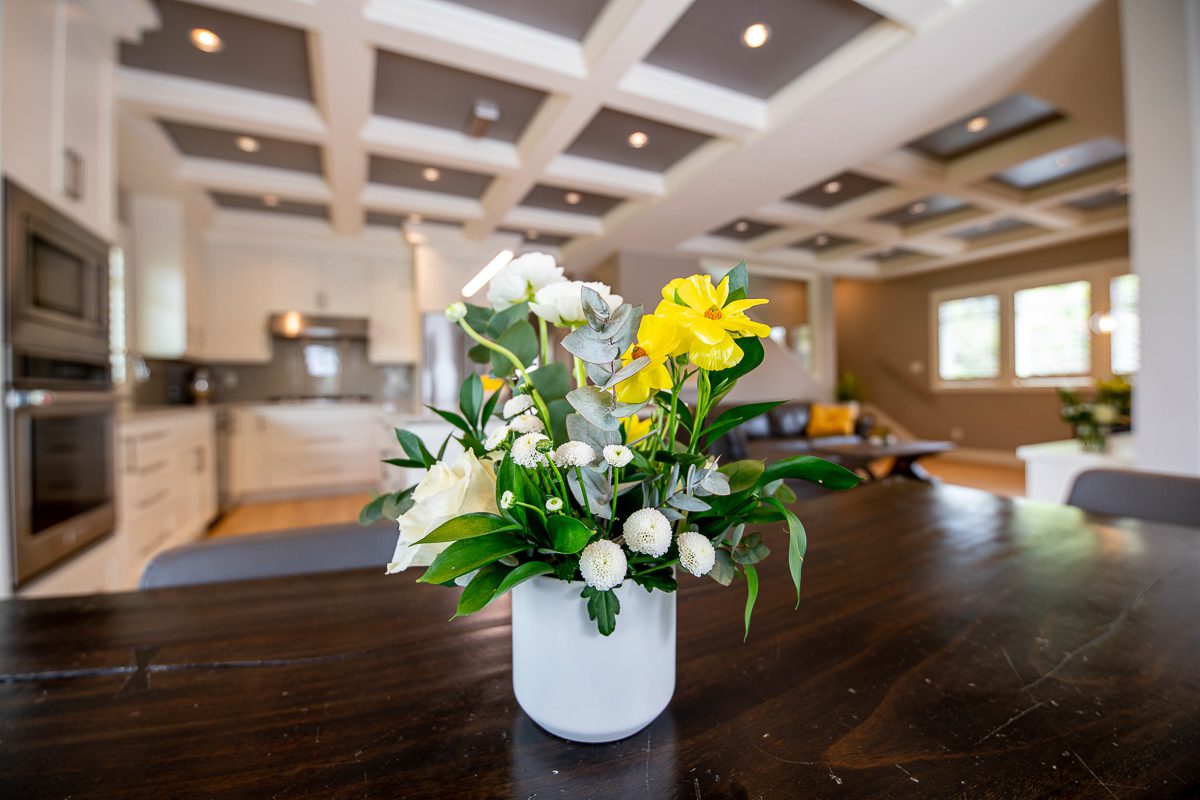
(452, 418)
(480, 354)
(489, 407)
(559, 410)
(463, 556)
(743, 474)
(467, 526)
(503, 320)
(552, 381)
(372, 511)
(811, 469)
(567, 534)
(521, 339)
(752, 356)
(414, 447)
(739, 282)
(470, 399)
(751, 594)
(731, 418)
(522, 573)
(661, 579)
(602, 608)
(404, 462)
(797, 543)
(482, 589)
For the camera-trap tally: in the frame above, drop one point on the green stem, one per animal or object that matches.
(616, 473)
(539, 511)
(587, 506)
(544, 334)
(704, 390)
(580, 373)
(516, 362)
(654, 568)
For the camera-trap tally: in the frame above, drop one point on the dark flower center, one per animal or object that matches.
(713, 313)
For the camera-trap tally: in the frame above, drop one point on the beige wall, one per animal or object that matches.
(883, 329)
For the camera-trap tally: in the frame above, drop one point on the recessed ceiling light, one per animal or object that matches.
(270, 200)
(1123, 188)
(247, 144)
(821, 240)
(573, 198)
(756, 35)
(638, 140)
(415, 219)
(431, 174)
(917, 208)
(1062, 161)
(205, 40)
(742, 226)
(833, 187)
(976, 124)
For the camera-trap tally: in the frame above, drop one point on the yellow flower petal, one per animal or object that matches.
(746, 325)
(722, 291)
(722, 355)
(738, 306)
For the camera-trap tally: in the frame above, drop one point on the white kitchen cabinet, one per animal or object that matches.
(238, 286)
(392, 313)
(93, 571)
(285, 450)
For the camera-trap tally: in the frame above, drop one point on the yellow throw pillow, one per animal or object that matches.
(828, 420)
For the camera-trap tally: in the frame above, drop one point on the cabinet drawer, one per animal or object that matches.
(148, 496)
(330, 467)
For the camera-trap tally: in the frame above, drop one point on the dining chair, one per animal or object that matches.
(328, 548)
(1142, 495)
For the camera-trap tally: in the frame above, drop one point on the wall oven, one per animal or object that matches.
(59, 402)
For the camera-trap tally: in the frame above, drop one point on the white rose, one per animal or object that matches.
(521, 280)
(465, 486)
(562, 303)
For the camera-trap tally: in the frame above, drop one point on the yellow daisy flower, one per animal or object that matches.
(636, 427)
(709, 320)
(658, 338)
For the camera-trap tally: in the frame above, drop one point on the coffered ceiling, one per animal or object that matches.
(873, 138)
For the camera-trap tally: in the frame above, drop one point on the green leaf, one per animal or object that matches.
(463, 556)
(414, 447)
(723, 569)
(661, 579)
(751, 594)
(552, 381)
(739, 282)
(482, 589)
(503, 320)
(743, 474)
(452, 418)
(559, 409)
(811, 469)
(404, 462)
(386, 506)
(478, 317)
(372, 511)
(567, 534)
(470, 399)
(595, 406)
(490, 407)
(797, 543)
(602, 608)
(731, 418)
(480, 354)
(467, 526)
(752, 355)
(751, 550)
(521, 339)
(522, 573)
(513, 478)
(681, 408)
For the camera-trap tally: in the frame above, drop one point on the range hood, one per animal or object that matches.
(295, 325)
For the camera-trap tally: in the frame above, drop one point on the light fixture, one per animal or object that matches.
(489, 271)
(247, 144)
(1103, 322)
(977, 124)
(821, 240)
(1062, 161)
(917, 208)
(756, 35)
(270, 200)
(573, 198)
(205, 40)
(483, 114)
(742, 226)
(431, 174)
(292, 323)
(833, 187)
(638, 140)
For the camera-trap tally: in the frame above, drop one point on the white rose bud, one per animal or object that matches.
(574, 454)
(456, 312)
(517, 405)
(617, 455)
(527, 423)
(525, 450)
(647, 531)
(696, 553)
(562, 303)
(603, 564)
(507, 499)
(554, 504)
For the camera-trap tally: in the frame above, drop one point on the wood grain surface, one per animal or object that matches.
(950, 644)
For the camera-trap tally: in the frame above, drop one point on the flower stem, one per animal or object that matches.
(580, 373)
(540, 513)
(516, 362)
(587, 506)
(544, 334)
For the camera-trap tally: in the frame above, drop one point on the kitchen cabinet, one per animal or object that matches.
(290, 450)
(238, 284)
(392, 312)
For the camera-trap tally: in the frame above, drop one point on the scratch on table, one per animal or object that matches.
(1101, 637)
(1011, 665)
(1094, 775)
(649, 734)
(1011, 720)
(696, 786)
(906, 772)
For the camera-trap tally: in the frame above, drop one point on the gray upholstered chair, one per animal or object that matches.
(1142, 495)
(270, 555)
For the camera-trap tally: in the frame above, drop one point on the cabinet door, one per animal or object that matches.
(392, 311)
(239, 283)
(343, 287)
(87, 121)
(294, 282)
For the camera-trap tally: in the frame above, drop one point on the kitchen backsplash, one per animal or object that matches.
(298, 368)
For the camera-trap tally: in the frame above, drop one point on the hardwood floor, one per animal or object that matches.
(285, 514)
(1007, 481)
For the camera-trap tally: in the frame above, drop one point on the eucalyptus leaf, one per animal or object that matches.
(671, 514)
(685, 502)
(715, 482)
(723, 569)
(502, 320)
(590, 346)
(623, 410)
(598, 497)
(626, 372)
(598, 373)
(579, 429)
(595, 308)
(595, 406)
(623, 327)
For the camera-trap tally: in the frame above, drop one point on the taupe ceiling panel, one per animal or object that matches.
(256, 203)
(555, 199)
(570, 18)
(201, 142)
(934, 205)
(1064, 163)
(1009, 117)
(395, 172)
(606, 138)
(837, 189)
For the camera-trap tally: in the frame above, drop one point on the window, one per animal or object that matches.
(1051, 330)
(1126, 336)
(969, 338)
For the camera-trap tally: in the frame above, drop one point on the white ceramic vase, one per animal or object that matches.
(580, 685)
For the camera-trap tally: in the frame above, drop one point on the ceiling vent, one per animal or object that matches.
(483, 114)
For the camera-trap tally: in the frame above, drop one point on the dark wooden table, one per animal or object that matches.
(859, 456)
(951, 644)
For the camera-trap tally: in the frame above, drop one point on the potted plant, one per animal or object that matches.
(587, 488)
(1093, 420)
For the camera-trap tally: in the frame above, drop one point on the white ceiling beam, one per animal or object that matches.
(218, 106)
(230, 176)
(550, 221)
(658, 93)
(588, 174)
(400, 199)
(912, 14)
(292, 13)
(413, 141)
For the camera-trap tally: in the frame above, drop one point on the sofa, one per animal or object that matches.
(783, 432)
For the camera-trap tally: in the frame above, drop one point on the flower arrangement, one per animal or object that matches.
(598, 472)
(1093, 420)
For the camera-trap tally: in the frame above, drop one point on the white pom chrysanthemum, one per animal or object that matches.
(507, 499)
(617, 455)
(525, 450)
(554, 504)
(574, 454)
(696, 553)
(496, 438)
(647, 531)
(518, 405)
(603, 564)
(527, 423)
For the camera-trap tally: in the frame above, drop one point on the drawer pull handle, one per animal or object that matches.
(154, 499)
(157, 466)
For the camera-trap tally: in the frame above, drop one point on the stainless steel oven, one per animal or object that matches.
(58, 398)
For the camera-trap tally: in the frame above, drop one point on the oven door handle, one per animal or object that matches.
(30, 399)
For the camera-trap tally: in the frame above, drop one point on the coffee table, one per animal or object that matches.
(859, 456)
